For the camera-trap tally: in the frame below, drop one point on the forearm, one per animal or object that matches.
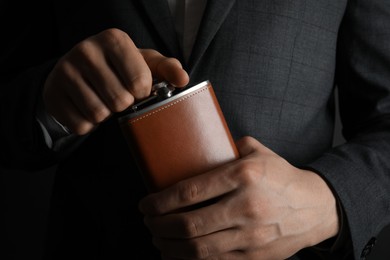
(358, 172)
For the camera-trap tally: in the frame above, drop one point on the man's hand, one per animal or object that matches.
(262, 208)
(102, 75)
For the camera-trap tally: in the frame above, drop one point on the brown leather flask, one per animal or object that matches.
(179, 136)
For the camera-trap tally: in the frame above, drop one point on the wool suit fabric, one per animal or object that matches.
(274, 66)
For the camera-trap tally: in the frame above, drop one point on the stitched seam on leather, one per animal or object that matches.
(169, 105)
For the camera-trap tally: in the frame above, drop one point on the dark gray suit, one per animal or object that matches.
(274, 66)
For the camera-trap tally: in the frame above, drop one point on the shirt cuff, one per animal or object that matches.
(52, 130)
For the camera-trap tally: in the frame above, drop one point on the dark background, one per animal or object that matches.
(24, 205)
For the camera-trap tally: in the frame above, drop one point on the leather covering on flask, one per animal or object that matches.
(179, 137)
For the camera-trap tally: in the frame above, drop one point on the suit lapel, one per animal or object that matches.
(159, 14)
(215, 13)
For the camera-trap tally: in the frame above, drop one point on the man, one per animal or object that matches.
(68, 69)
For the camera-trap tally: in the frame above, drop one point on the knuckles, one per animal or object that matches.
(140, 86)
(200, 250)
(187, 192)
(248, 172)
(97, 114)
(81, 128)
(191, 226)
(121, 101)
(114, 38)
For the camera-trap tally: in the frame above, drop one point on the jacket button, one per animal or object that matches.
(367, 249)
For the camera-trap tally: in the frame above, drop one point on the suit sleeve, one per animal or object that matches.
(359, 170)
(28, 53)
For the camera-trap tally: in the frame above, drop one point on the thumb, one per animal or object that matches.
(247, 145)
(165, 68)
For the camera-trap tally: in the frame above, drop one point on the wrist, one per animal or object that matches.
(322, 205)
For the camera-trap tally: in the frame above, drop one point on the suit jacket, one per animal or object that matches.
(274, 66)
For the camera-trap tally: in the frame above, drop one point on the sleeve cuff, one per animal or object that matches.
(338, 242)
